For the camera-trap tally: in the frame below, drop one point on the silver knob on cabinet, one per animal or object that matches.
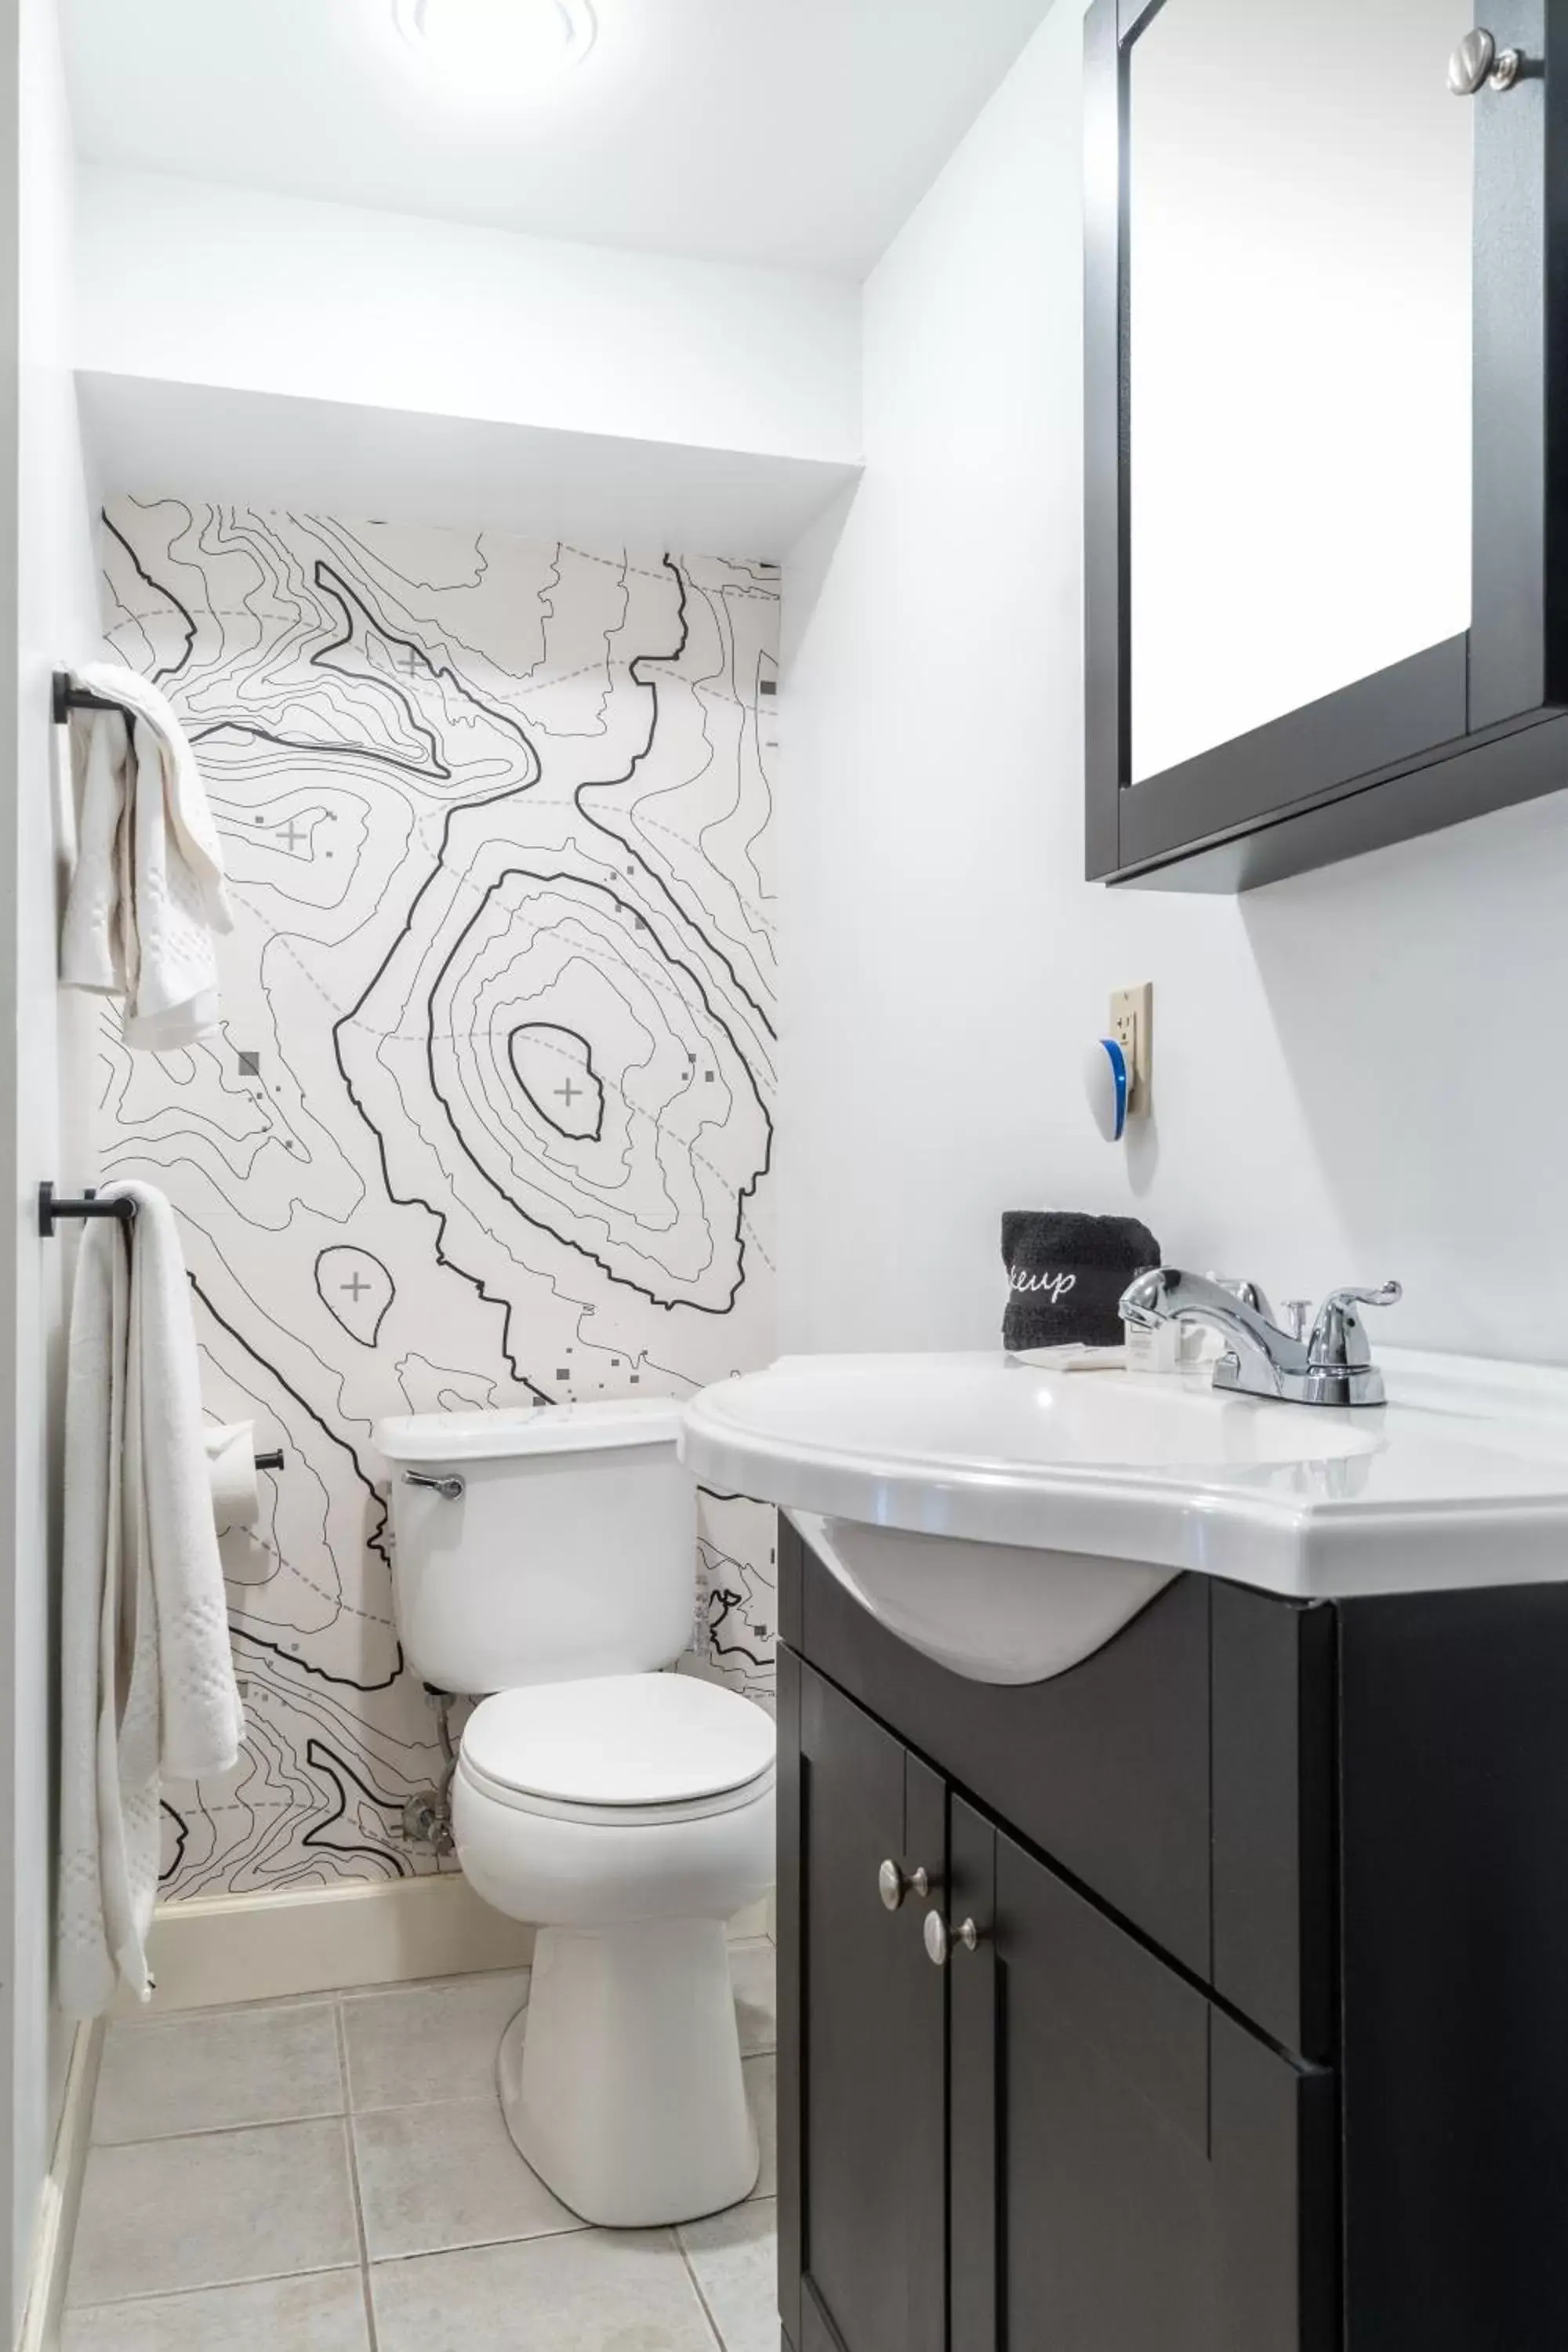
(941, 1938)
(1478, 64)
(450, 1489)
(893, 1885)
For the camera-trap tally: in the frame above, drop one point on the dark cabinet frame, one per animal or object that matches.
(1455, 731)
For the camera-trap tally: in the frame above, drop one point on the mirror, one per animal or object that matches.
(1300, 311)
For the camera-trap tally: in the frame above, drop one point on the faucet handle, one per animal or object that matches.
(1339, 1340)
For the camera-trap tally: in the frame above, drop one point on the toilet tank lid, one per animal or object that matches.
(528, 1429)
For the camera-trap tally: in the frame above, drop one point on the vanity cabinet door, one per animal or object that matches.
(1132, 2171)
(862, 2095)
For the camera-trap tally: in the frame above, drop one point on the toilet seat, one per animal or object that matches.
(620, 1751)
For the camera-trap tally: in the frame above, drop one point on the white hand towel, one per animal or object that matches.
(149, 1689)
(89, 1611)
(148, 892)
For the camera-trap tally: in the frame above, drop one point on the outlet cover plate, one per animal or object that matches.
(1133, 1027)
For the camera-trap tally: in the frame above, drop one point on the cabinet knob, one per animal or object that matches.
(941, 1938)
(1478, 64)
(893, 1885)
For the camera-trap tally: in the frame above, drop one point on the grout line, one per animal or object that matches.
(369, 2299)
(396, 1985)
(697, 2288)
(222, 2131)
(147, 2018)
(205, 2286)
(321, 1995)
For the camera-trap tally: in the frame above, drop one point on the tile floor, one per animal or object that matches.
(333, 2175)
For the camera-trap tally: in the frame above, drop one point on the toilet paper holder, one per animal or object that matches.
(50, 1206)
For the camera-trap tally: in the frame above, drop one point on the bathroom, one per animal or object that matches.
(610, 498)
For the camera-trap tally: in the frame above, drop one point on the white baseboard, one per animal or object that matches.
(55, 2230)
(217, 1950)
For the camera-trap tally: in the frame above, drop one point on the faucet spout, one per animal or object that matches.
(1331, 1366)
(1241, 1314)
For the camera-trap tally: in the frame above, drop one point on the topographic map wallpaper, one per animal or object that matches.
(489, 1118)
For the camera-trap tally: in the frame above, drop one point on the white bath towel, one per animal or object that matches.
(148, 894)
(148, 1688)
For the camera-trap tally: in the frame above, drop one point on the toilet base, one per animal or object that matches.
(621, 2080)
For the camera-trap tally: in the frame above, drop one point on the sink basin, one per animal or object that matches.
(1009, 1519)
(996, 1413)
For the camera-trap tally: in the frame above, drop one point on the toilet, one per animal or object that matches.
(547, 1558)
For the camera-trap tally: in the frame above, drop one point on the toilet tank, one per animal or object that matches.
(540, 1545)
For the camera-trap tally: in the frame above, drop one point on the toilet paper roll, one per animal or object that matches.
(231, 1467)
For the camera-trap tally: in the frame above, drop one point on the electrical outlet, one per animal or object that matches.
(1133, 1027)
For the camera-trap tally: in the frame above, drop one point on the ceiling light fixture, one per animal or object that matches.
(502, 46)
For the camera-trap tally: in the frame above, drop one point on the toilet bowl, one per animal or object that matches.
(547, 1557)
(628, 1817)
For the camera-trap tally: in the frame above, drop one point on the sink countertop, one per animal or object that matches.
(1459, 1480)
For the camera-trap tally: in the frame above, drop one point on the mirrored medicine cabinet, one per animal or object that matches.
(1326, 427)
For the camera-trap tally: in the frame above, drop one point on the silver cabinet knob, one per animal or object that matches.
(893, 1885)
(941, 1938)
(1478, 64)
(450, 1489)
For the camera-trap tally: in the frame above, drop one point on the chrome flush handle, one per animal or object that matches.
(940, 1939)
(893, 1885)
(450, 1489)
(1478, 64)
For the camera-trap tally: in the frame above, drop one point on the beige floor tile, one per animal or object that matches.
(429, 2042)
(597, 2291)
(322, 2313)
(752, 1967)
(160, 2216)
(439, 2176)
(735, 2258)
(214, 2069)
(762, 2095)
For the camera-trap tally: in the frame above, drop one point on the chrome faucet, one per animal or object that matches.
(1328, 1363)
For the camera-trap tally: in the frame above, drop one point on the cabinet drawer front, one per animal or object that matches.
(1106, 1767)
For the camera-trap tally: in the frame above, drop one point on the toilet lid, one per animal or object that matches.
(620, 1739)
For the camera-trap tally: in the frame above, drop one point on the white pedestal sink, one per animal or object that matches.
(1009, 1520)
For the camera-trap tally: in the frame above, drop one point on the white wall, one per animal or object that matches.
(1354, 1077)
(46, 563)
(230, 286)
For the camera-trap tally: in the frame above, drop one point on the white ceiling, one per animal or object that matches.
(793, 133)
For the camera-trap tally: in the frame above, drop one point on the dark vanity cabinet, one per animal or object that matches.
(1219, 2006)
(1326, 454)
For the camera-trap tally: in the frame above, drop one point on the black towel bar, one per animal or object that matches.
(68, 698)
(89, 1206)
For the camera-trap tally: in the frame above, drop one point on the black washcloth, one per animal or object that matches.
(1066, 1274)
